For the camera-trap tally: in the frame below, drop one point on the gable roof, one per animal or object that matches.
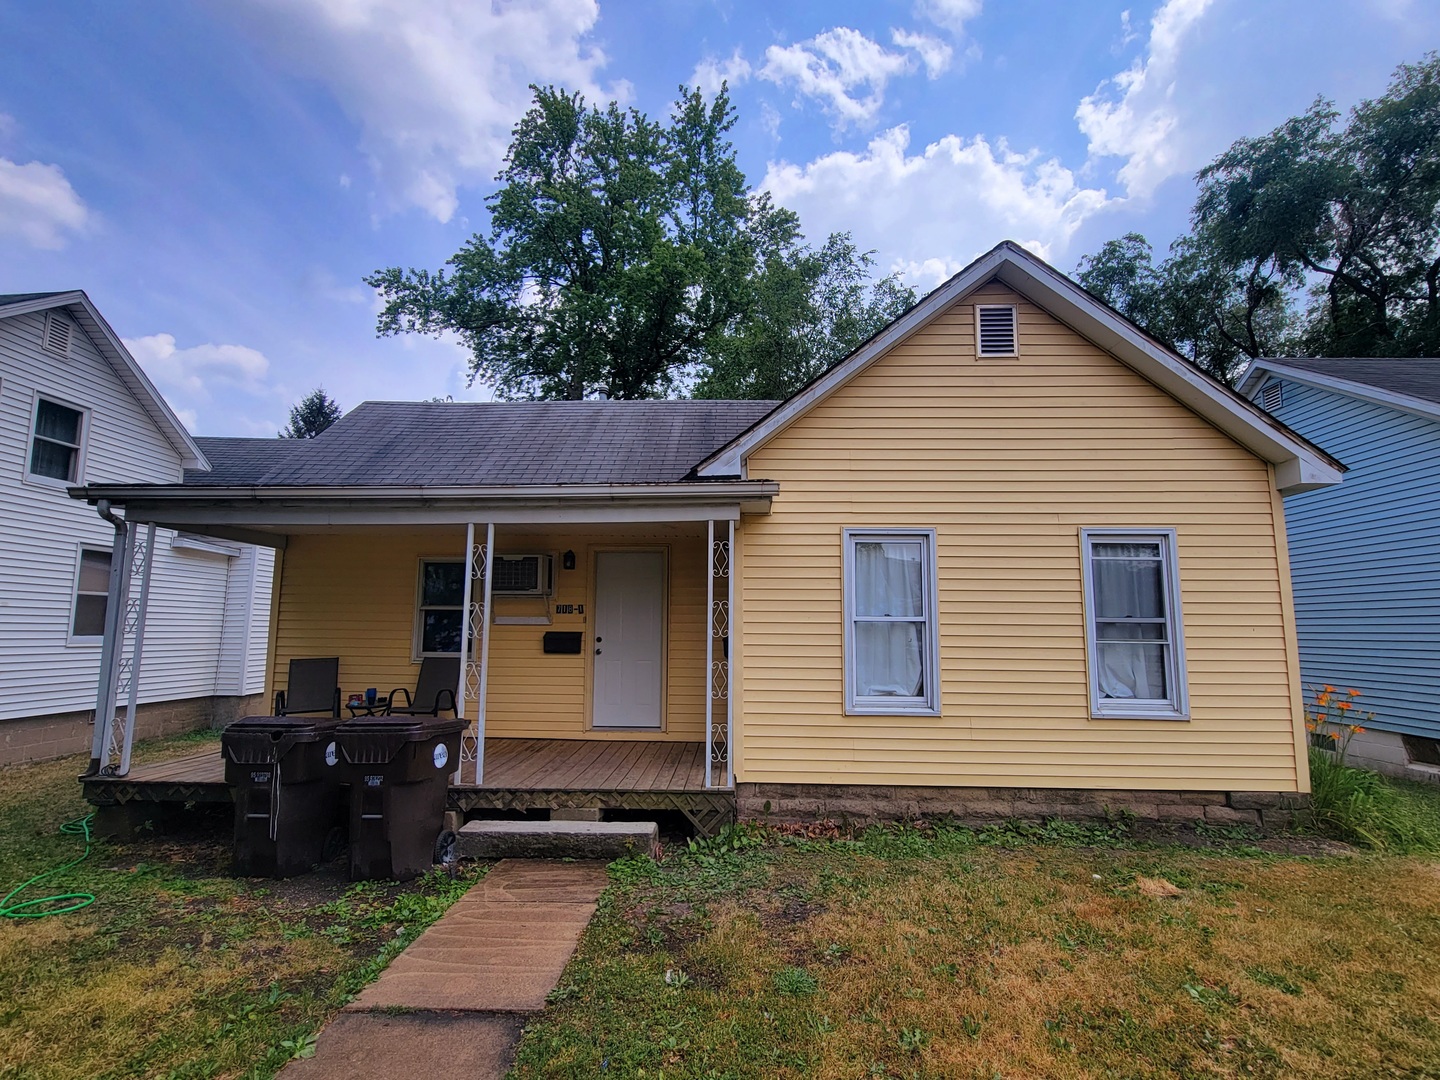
(1411, 384)
(121, 362)
(411, 444)
(1299, 464)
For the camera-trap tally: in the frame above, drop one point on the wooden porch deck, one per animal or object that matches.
(520, 775)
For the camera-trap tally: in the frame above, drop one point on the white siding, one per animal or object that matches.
(41, 670)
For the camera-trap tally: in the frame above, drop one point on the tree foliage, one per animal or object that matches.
(808, 309)
(311, 415)
(1320, 237)
(629, 257)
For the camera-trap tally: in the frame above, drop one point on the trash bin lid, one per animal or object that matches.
(298, 726)
(412, 728)
(407, 726)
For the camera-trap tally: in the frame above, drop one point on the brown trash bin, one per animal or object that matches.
(288, 807)
(398, 769)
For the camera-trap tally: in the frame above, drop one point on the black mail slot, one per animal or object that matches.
(562, 641)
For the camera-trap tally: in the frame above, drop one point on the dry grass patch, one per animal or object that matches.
(177, 970)
(824, 959)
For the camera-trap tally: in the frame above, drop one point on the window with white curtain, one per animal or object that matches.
(1132, 624)
(892, 655)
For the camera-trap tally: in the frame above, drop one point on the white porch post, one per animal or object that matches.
(114, 644)
(130, 563)
(142, 561)
(729, 647)
(710, 653)
(717, 737)
(473, 668)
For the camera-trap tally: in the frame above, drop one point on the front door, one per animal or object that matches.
(629, 622)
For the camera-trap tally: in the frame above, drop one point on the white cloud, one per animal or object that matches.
(931, 212)
(1134, 115)
(435, 87)
(834, 66)
(933, 52)
(195, 375)
(38, 204)
(951, 15)
(711, 72)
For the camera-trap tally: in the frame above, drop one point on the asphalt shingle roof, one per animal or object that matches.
(240, 461)
(23, 297)
(446, 444)
(1417, 376)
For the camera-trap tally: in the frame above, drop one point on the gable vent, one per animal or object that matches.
(995, 330)
(1271, 396)
(58, 331)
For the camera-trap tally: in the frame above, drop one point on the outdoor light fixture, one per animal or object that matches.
(567, 561)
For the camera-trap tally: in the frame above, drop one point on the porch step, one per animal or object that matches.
(557, 839)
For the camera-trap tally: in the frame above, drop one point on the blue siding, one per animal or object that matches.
(1365, 558)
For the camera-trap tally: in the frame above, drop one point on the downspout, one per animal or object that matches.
(114, 612)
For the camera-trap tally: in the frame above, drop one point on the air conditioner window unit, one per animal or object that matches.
(522, 575)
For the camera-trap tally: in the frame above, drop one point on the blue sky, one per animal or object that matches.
(219, 175)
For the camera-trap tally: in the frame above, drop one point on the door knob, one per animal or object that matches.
(597, 652)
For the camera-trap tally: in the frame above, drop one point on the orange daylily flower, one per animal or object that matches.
(1343, 706)
(1353, 692)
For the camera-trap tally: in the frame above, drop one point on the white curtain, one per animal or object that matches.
(1130, 624)
(889, 583)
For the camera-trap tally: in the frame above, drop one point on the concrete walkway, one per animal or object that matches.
(456, 998)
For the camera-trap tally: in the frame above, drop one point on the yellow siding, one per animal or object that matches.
(353, 595)
(1007, 460)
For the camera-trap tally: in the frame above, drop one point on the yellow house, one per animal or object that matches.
(1010, 558)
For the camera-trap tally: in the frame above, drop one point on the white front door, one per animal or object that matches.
(629, 618)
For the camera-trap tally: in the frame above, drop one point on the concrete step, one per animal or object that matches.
(558, 839)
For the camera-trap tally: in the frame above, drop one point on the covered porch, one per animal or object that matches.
(598, 680)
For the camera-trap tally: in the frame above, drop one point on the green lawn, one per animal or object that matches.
(1061, 952)
(178, 969)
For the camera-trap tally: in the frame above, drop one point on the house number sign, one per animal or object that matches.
(569, 609)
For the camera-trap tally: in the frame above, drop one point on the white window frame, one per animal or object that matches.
(929, 703)
(1177, 705)
(72, 638)
(418, 633)
(39, 479)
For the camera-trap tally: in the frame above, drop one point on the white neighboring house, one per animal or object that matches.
(75, 408)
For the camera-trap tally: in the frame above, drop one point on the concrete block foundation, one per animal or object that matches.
(57, 735)
(863, 804)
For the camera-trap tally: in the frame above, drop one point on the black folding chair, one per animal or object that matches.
(434, 690)
(313, 687)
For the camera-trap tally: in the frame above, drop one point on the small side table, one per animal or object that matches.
(368, 708)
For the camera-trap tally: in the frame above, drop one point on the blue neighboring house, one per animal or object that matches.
(1365, 554)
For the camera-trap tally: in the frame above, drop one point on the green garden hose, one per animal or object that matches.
(59, 903)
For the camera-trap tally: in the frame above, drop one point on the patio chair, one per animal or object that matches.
(434, 690)
(313, 687)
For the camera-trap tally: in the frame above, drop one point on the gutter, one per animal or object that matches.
(703, 491)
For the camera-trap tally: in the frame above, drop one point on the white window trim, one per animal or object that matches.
(1014, 310)
(418, 632)
(49, 481)
(929, 705)
(1177, 706)
(72, 638)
